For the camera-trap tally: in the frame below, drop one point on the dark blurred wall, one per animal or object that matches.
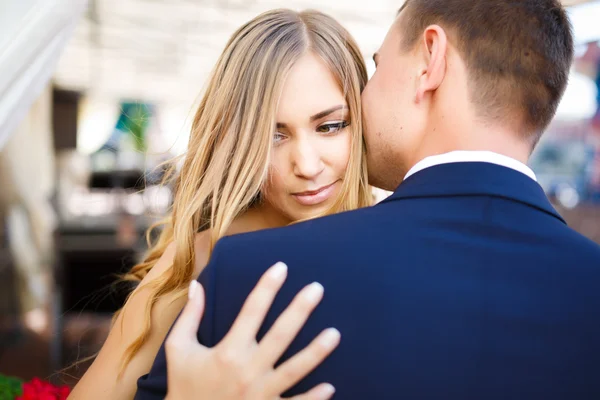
(65, 112)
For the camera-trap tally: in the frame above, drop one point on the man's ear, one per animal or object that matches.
(433, 48)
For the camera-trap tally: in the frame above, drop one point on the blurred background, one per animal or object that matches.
(96, 94)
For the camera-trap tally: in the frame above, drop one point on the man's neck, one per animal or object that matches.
(496, 140)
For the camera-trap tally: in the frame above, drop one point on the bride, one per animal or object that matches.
(276, 139)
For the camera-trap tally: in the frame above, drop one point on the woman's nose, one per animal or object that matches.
(307, 159)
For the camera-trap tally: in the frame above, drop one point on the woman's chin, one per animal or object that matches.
(304, 213)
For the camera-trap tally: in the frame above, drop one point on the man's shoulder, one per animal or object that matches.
(582, 248)
(247, 254)
(309, 230)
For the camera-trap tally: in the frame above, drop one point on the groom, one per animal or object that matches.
(465, 283)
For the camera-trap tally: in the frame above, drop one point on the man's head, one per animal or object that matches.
(454, 64)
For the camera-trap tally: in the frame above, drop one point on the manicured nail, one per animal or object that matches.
(331, 338)
(326, 391)
(193, 289)
(314, 292)
(278, 271)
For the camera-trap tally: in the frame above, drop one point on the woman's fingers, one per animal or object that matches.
(287, 326)
(237, 361)
(323, 391)
(302, 363)
(255, 308)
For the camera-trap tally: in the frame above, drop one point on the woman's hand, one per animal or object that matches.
(239, 367)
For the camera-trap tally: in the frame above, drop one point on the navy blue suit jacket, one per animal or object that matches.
(464, 284)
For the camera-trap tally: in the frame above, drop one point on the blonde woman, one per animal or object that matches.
(276, 139)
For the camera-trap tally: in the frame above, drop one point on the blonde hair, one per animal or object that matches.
(227, 160)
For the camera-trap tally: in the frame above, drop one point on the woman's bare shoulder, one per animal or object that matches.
(202, 240)
(201, 251)
(201, 255)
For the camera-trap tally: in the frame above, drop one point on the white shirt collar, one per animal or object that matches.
(472, 156)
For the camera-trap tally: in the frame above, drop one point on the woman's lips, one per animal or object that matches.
(314, 197)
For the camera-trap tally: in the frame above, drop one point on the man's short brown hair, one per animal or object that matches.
(518, 52)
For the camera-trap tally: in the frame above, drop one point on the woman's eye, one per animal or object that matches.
(278, 137)
(332, 127)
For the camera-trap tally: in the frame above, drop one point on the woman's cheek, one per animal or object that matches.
(337, 152)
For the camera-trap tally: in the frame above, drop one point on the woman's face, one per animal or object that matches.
(311, 144)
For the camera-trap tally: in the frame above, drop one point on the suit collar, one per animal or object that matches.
(474, 179)
(471, 156)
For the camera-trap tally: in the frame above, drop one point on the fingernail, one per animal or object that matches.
(314, 292)
(278, 271)
(326, 391)
(193, 289)
(331, 337)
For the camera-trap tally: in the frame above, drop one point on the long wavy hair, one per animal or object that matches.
(230, 144)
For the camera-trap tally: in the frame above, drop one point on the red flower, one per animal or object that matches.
(40, 390)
